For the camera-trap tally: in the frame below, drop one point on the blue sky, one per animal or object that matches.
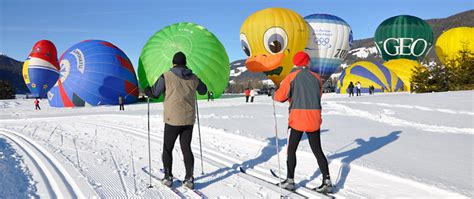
(129, 24)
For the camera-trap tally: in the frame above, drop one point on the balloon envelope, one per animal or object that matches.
(369, 74)
(451, 42)
(405, 37)
(41, 69)
(404, 70)
(329, 42)
(205, 56)
(94, 72)
(270, 38)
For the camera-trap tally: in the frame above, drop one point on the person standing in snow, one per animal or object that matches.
(179, 86)
(210, 96)
(252, 95)
(351, 89)
(247, 95)
(358, 89)
(303, 89)
(37, 106)
(120, 101)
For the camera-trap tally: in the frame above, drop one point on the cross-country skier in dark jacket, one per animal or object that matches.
(303, 89)
(179, 86)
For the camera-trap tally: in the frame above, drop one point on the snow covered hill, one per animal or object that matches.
(381, 146)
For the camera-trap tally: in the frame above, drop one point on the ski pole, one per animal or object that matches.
(277, 148)
(149, 143)
(199, 131)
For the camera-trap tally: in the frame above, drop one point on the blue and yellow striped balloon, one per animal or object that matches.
(369, 74)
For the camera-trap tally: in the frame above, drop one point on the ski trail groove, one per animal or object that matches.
(219, 161)
(48, 164)
(219, 158)
(119, 171)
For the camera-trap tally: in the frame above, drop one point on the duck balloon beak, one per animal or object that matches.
(266, 63)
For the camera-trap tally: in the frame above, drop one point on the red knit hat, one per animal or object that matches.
(301, 59)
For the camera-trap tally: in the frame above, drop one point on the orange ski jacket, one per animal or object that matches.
(303, 89)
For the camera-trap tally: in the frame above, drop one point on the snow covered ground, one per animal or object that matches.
(382, 146)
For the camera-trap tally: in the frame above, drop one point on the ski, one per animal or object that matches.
(276, 176)
(242, 170)
(196, 191)
(174, 189)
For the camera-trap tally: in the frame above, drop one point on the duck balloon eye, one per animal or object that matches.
(275, 40)
(245, 45)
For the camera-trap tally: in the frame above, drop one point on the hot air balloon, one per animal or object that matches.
(270, 38)
(329, 42)
(205, 56)
(369, 74)
(94, 72)
(404, 70)
(451, 42)
(405, 37)
(41, 69)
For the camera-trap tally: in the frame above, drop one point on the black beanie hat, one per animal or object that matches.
(179, 58)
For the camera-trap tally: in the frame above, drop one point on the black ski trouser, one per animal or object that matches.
(122, 108)
(314, 139)
(185, 134)
(246, 98)
(37, 107)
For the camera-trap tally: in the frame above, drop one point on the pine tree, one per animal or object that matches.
(456, 74)
(462, 68)
(6, 90)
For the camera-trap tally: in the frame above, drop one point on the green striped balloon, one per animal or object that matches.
(403, 36)
(205, 56)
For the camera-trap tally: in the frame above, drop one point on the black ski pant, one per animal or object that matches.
(185, 134)
(314, 139)
(351, 93)
(37, 107)
(251, 99)
(358, 92)
(122, 108)
(246, 98)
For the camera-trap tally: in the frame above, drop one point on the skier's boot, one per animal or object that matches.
(288, 184)
(189, 183)
(326, 187)
(167, 181)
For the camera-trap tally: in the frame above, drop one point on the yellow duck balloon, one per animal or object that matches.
(270, 38)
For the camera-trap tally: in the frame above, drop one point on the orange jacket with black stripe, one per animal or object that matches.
(303, 89)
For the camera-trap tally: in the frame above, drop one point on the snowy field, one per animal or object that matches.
(382, 146)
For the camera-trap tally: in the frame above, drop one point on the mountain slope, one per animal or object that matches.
(10, 70)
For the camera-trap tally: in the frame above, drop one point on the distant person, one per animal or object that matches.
(351, 89)
(120, 101)
(303, 88)
(270, 91)
(358, 86)
(179, 86)
(247, 95)
(37, 104)
(252, 94)
(383, 89)
(210, 96)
